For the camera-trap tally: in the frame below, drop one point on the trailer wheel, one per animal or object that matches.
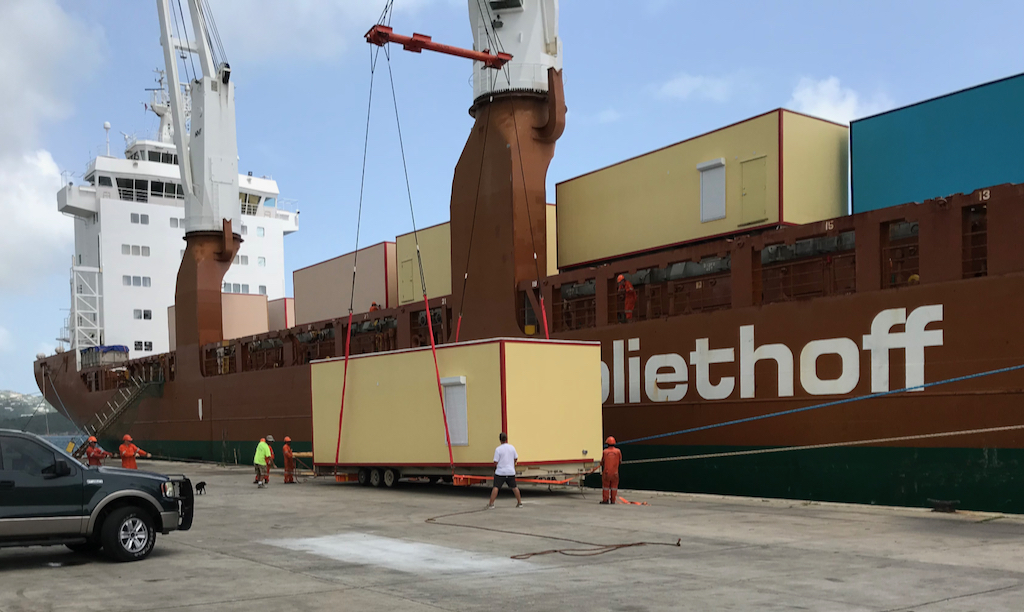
(391, 477)
(434, 479)
(363, 476)
(375, 477)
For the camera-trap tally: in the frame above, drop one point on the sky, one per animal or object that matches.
(638, 75)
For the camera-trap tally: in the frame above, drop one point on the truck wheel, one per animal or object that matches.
(128, 534)
(375, 477)
(363, 476)
(391, 477)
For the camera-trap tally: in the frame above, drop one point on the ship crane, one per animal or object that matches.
(208, 164)
(381, 35)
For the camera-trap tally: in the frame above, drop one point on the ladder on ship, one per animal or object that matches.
(116, 407)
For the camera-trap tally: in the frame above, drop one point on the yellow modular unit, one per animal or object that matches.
(552, 240)
(780, 168)
(436, 252)
(545, 394)
(323, 290)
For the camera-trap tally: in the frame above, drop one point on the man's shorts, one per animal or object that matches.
(261, 470)
(500, 480)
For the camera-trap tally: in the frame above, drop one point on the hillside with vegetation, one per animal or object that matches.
(32, 413)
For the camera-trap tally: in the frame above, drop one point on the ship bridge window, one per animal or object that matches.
(154, 156)
(168, 158)
(105, 181)
(133, 190)
(249, 202)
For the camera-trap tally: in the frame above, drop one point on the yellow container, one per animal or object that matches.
(779, 168)
(546, 394)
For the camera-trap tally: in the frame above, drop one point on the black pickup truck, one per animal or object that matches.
(48, 498)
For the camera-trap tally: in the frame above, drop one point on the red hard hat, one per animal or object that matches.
(620, 278)
(92, 438)
(263, 439)
(610, 440)
(287, 439)
(127, 438)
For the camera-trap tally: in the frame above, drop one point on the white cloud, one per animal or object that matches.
(828, 99)
(688, 86)
(45, 52)
(6, 342)
(272, 30)
(37, 240)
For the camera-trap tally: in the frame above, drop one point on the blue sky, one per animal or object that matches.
(638, 75)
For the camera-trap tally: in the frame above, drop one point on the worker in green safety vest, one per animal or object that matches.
(261, 461)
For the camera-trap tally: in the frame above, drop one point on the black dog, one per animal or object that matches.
(201, 488)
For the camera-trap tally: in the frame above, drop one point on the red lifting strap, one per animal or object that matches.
(440, 393)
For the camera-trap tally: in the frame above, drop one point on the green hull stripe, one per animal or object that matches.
(982, 479)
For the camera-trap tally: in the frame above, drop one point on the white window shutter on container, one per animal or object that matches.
(455, 409)
(712, 190)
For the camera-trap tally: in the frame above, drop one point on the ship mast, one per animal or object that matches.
(208, 163)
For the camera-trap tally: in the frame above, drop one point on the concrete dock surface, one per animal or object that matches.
(320, 545)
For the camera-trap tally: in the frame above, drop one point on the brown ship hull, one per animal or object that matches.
(980, 333)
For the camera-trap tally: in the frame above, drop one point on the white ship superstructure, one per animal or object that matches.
(129, 240)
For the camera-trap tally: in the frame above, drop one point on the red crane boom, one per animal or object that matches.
(381, 35)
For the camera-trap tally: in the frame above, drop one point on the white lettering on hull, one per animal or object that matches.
(666, 376)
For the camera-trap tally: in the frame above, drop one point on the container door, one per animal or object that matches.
(406, 293)
(755, 190)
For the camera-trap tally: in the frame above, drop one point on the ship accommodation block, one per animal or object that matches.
(780, 168)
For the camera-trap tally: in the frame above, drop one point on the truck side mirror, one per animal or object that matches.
(61, 468)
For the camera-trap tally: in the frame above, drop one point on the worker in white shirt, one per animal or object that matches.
(505, 458)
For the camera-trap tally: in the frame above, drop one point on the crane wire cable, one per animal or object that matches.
(848, 400)
(179, 53)
(764, 451)
(419, 261)
(355, 255)
(191, 59)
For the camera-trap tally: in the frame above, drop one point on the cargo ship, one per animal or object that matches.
(722, 276)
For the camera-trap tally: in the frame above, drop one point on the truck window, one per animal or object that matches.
(21, 455)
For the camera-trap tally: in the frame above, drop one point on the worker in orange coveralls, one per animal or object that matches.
(610, 460)
(94, 453)
(289, 462)
(374, 307)
(628, 299)
(129, 452)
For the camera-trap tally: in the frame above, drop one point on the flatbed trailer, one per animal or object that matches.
(545, 394)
